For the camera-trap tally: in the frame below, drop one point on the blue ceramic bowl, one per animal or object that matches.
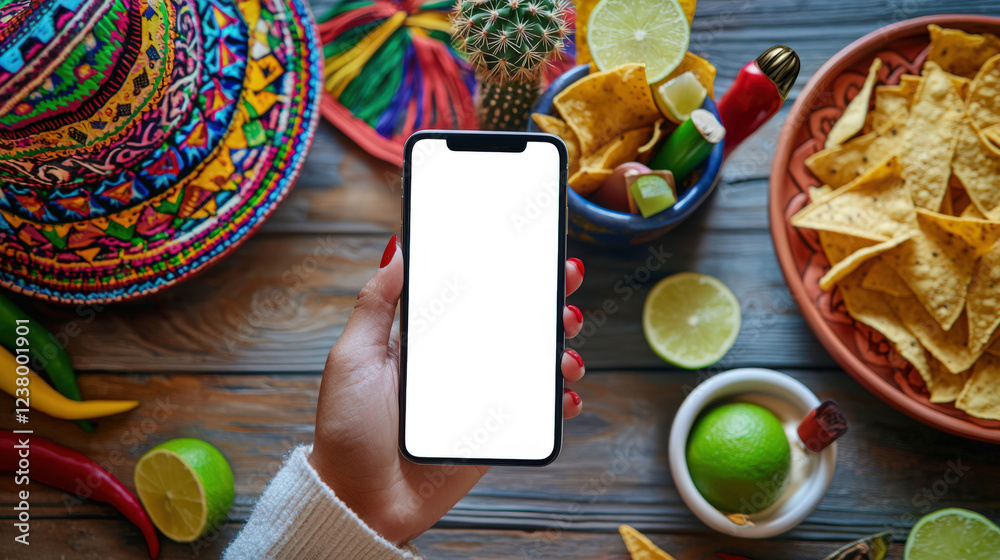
(594, 223)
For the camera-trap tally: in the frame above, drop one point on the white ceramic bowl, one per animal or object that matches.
(767, 388)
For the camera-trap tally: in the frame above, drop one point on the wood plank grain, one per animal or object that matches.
(279, 303)
(539, 545)
(341, 189)
(613, 468)
(102, 539)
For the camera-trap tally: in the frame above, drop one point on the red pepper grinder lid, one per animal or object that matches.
(822, 426)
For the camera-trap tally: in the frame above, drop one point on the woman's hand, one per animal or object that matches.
(357, 423)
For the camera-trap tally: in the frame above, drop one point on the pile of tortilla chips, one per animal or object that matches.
(610, 118)
(909, 218)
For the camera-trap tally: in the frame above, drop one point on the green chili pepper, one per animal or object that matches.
(55, 361)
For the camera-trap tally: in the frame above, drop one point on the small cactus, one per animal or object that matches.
(509, 43)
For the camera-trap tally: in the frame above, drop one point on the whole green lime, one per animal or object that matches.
(738, 457)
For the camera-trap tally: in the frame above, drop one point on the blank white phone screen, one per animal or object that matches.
(482, 312)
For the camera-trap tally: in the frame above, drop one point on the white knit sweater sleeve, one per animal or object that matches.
(299, 517)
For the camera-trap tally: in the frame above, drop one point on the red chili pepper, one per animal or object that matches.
(725, 556)
(64, 468)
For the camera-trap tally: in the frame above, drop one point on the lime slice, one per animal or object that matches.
(953, 534)
(650, 32)
(652, 194)
(680, 96)
(186, 486)
(691, 320)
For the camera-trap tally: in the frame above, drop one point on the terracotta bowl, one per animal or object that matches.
(863, 352)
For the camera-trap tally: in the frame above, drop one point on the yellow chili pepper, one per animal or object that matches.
(42, 397)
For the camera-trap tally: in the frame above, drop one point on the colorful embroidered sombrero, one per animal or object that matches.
(141, 140)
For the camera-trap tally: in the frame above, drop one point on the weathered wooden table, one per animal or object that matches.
(234, 356)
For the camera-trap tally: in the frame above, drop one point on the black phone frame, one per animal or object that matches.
(484, 141)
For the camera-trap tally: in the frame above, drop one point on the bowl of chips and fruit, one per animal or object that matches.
(885, 214)
(640, 125)
(609, 119)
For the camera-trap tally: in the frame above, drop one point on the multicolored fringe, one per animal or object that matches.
(391, 70)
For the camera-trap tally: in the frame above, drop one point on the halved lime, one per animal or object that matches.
(679, 96)
(953, 534)
(650, 32)
(186, 486)
(691, 320)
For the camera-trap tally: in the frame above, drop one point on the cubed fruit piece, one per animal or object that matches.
(651, 193)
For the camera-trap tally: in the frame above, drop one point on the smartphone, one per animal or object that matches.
(484, 251)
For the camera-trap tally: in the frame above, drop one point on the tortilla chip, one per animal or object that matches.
(984, 95)
(977, 168)
(623, 148)
(557, 126)
(588, 180)
(948, 346)
(816, 193)
(943, 385)
(583, 9)
(959, 52)
(842, 164)
(972, 212)
(688, 6)
(882, 278)
(655, 138)
(702, 69)
(853, 118)
(873, 309)
(992, 136)
(981, 395)
(639, 547)
(850, 263)
(983, 299)
(890, 100)
(979, 235)
(938, 262)
(836, 246)
(929, 138)
(604, 105)
(874, 206)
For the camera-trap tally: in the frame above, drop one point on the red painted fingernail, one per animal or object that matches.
(390, 250)
(575, 355)
(576, 311)
(572, 394)
(579, 264)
